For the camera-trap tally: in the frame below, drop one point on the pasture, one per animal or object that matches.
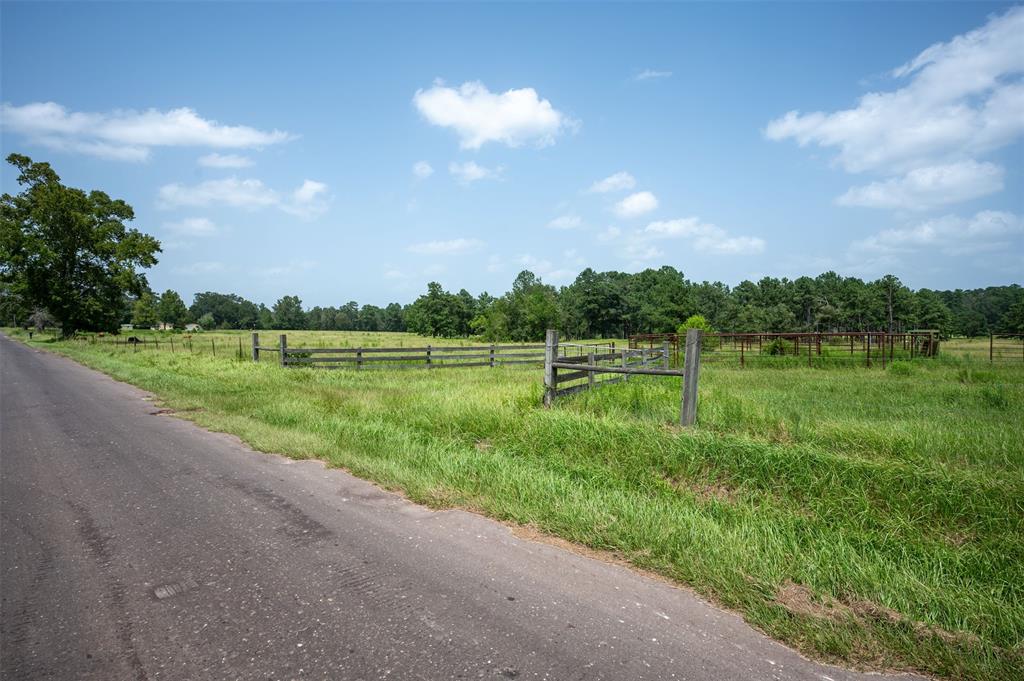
(870, 517)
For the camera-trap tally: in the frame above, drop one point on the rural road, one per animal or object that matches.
(136, 545)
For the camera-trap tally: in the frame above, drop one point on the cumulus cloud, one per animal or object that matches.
(962, 99)
(470, 172)
(127, 135)
(216, 160)
(636, 205)
(307, 200)
(704, 236)
(929, 187)
(565, 222)
(449, 247)
(650, 74)
(953, 235)
(422, 169)
(479, 116)
(613, 183)
(192, 227)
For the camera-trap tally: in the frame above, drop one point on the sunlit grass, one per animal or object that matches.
(896, 495)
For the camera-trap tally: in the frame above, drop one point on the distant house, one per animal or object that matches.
(127, 327)
(163, 326)
(193, 327)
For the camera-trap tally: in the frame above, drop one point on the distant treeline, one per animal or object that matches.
(616, 304)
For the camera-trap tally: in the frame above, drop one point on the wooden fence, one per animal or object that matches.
(584, 371)
(425, 357)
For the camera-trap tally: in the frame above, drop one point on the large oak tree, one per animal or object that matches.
(69, 251)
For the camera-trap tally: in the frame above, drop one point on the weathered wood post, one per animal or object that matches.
(428, 357)
(282, 345)
(359, 358)
(991, 346)
(492, 355)
(590, 374)
(550, 372)
(691, 371)
(664, 354)
(625, 363)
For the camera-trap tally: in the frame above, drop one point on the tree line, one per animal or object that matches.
(619, 304)
(69, 258)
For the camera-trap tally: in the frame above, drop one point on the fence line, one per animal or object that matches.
(624, 363)
(425, 357)
(869, 347)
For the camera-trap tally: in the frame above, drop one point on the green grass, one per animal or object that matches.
(864, 516)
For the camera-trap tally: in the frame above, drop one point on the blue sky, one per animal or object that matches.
(356, 152)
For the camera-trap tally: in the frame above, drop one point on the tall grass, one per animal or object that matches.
(873, 518)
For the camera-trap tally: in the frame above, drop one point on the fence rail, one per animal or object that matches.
(425, 357)
(869, 348)
(628, 362)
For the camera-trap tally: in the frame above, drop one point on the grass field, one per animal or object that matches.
(864, 516)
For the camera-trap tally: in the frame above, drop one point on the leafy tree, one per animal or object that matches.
(288, 313)
(144, 311)
(207, 321)
(70, 251)
(1013, 320)
(171, 309)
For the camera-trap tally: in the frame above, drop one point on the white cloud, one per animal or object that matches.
(986, 231)
(705, 237)
(192, 227)
(306, 201)
(513, 117)
(638, 252)
(449, 247)
(216, 160)
(547, 271)
(422, 169)
(649, 74)
(229, 191)
(565, 222)
(127, 135)
(928, 187)
(470, 171)
(636, 204)
(619, 181)
(963, 98)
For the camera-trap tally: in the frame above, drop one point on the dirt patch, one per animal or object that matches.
(704, 491)
(483, 445)
(800, 600)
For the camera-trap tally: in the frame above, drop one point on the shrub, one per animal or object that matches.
(697, 322)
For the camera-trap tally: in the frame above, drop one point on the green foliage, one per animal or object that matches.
(288, 313)
(171, 309)
(144, 313)
(70, 251)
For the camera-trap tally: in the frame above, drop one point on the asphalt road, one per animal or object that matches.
(136, 545)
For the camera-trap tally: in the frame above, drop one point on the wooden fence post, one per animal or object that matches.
(590, 374)
(492, 355)
(428, 357)
(282, 345)
(664, 354)
(691, 371)
(550, 372)
(991, 345)
(359, 358)
(625, 363)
